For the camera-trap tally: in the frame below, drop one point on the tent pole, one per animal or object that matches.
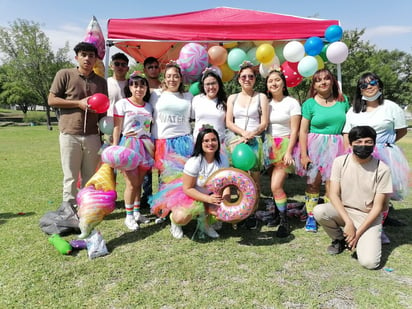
(339, 75)
(106, 58)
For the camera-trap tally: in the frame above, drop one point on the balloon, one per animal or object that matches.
(217, 70)
(323, 53)
(251, 55)
(307, 66)
(337, 52)
(235, 57)
(95, 36)
(243, 157)
(279, 53)
(194, 88)
(217, 55)
(229, 44)
(265, 53)
(313, 46)
(293, 51)
(333, 33)
(265, 68)
(257, 43)
(227, 73)
(106, 125)
(192, 60)
(98, 68)
(293, 78)
(321, 63)
(99, 103)
(120, 157)
(246, 45)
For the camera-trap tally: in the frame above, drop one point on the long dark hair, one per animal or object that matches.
(142, 81)
(198, 150)
(221, 94)
(336, 93)
(359, 105)
(285, 91)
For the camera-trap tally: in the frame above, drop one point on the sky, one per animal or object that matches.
(388, 25)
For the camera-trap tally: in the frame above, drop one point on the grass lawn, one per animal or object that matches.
(150, 269)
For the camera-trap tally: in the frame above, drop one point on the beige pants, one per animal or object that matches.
(79, 155)
(369, 247)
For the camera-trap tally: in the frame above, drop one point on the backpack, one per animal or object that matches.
(63, 221)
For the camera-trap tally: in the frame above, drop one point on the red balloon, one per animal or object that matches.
(99, 103)
(293, 78)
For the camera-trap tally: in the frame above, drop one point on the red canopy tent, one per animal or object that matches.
(163, 36)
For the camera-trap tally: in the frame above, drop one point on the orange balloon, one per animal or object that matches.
(227, 72)
(217, 55)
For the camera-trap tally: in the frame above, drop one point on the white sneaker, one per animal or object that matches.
(384, 238)
(211, 232)
(176, 231)
(130, 223)
(139, 218)
(159, 220)
(217, 226)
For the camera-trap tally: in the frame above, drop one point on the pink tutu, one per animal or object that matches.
(394, 157)
(274, 149)
(144, 148)
(322, 150)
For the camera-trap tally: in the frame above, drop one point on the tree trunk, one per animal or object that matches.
(48, 121)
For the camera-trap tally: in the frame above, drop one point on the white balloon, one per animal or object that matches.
(337, 52)
(307, 66)
(264, 69)
(293, 51)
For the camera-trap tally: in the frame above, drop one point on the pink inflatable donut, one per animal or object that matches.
(120, 157)
(244, 206)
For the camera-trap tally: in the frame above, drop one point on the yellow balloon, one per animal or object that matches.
(227, 73)
(99, 68)
(321, 63)
(265, 53)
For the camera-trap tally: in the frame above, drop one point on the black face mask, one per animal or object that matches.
(362, 151)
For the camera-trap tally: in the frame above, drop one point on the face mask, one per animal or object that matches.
(373, 98)
(362, 151)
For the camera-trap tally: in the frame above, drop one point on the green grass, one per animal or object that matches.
(150, 269)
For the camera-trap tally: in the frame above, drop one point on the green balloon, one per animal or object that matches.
(194, 88)
(323, 53)
(243, 157)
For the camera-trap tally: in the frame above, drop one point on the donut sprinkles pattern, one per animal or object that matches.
(245, 205)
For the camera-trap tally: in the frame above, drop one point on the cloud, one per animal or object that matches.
(387, 31)
(66, 33)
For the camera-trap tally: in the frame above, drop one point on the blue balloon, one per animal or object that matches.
(313, 46)
(333, 33)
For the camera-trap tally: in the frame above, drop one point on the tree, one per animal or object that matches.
(29, 65)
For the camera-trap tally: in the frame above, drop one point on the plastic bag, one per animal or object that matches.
(96, 245)
(63, 221)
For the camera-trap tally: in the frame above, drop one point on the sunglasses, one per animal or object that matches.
(249, 76)
(373, 82)
(120, 64)
(152, 67)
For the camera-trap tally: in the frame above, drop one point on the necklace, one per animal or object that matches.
(326, 99)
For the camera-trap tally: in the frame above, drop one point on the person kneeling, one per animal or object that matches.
(359, 188)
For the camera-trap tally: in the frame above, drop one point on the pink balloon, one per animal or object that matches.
(193, 59)
(337, 52)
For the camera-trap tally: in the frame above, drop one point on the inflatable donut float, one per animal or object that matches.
(245, 205)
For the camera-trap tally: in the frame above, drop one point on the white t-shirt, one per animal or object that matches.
(280, 114)
(385, 119)
(115, 89)
(247, 118)
(171, 114)
(136, 119)
(199, 168)
(204, 111)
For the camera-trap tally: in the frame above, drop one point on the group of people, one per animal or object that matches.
(351, 150)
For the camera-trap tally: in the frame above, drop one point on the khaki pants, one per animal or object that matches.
(79, 154)
(369, 247)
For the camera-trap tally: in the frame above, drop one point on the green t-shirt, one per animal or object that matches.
(325, 119)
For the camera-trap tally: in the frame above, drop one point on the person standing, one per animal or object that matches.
(132, 119)
(282, 136)
(79, 137)
(117, 83)
(359, 187)
(151, 69)
(320, 137)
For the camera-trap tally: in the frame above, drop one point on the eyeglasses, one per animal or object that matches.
(120, 64)
(249, 76)
(373, 82)
(152, 67)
